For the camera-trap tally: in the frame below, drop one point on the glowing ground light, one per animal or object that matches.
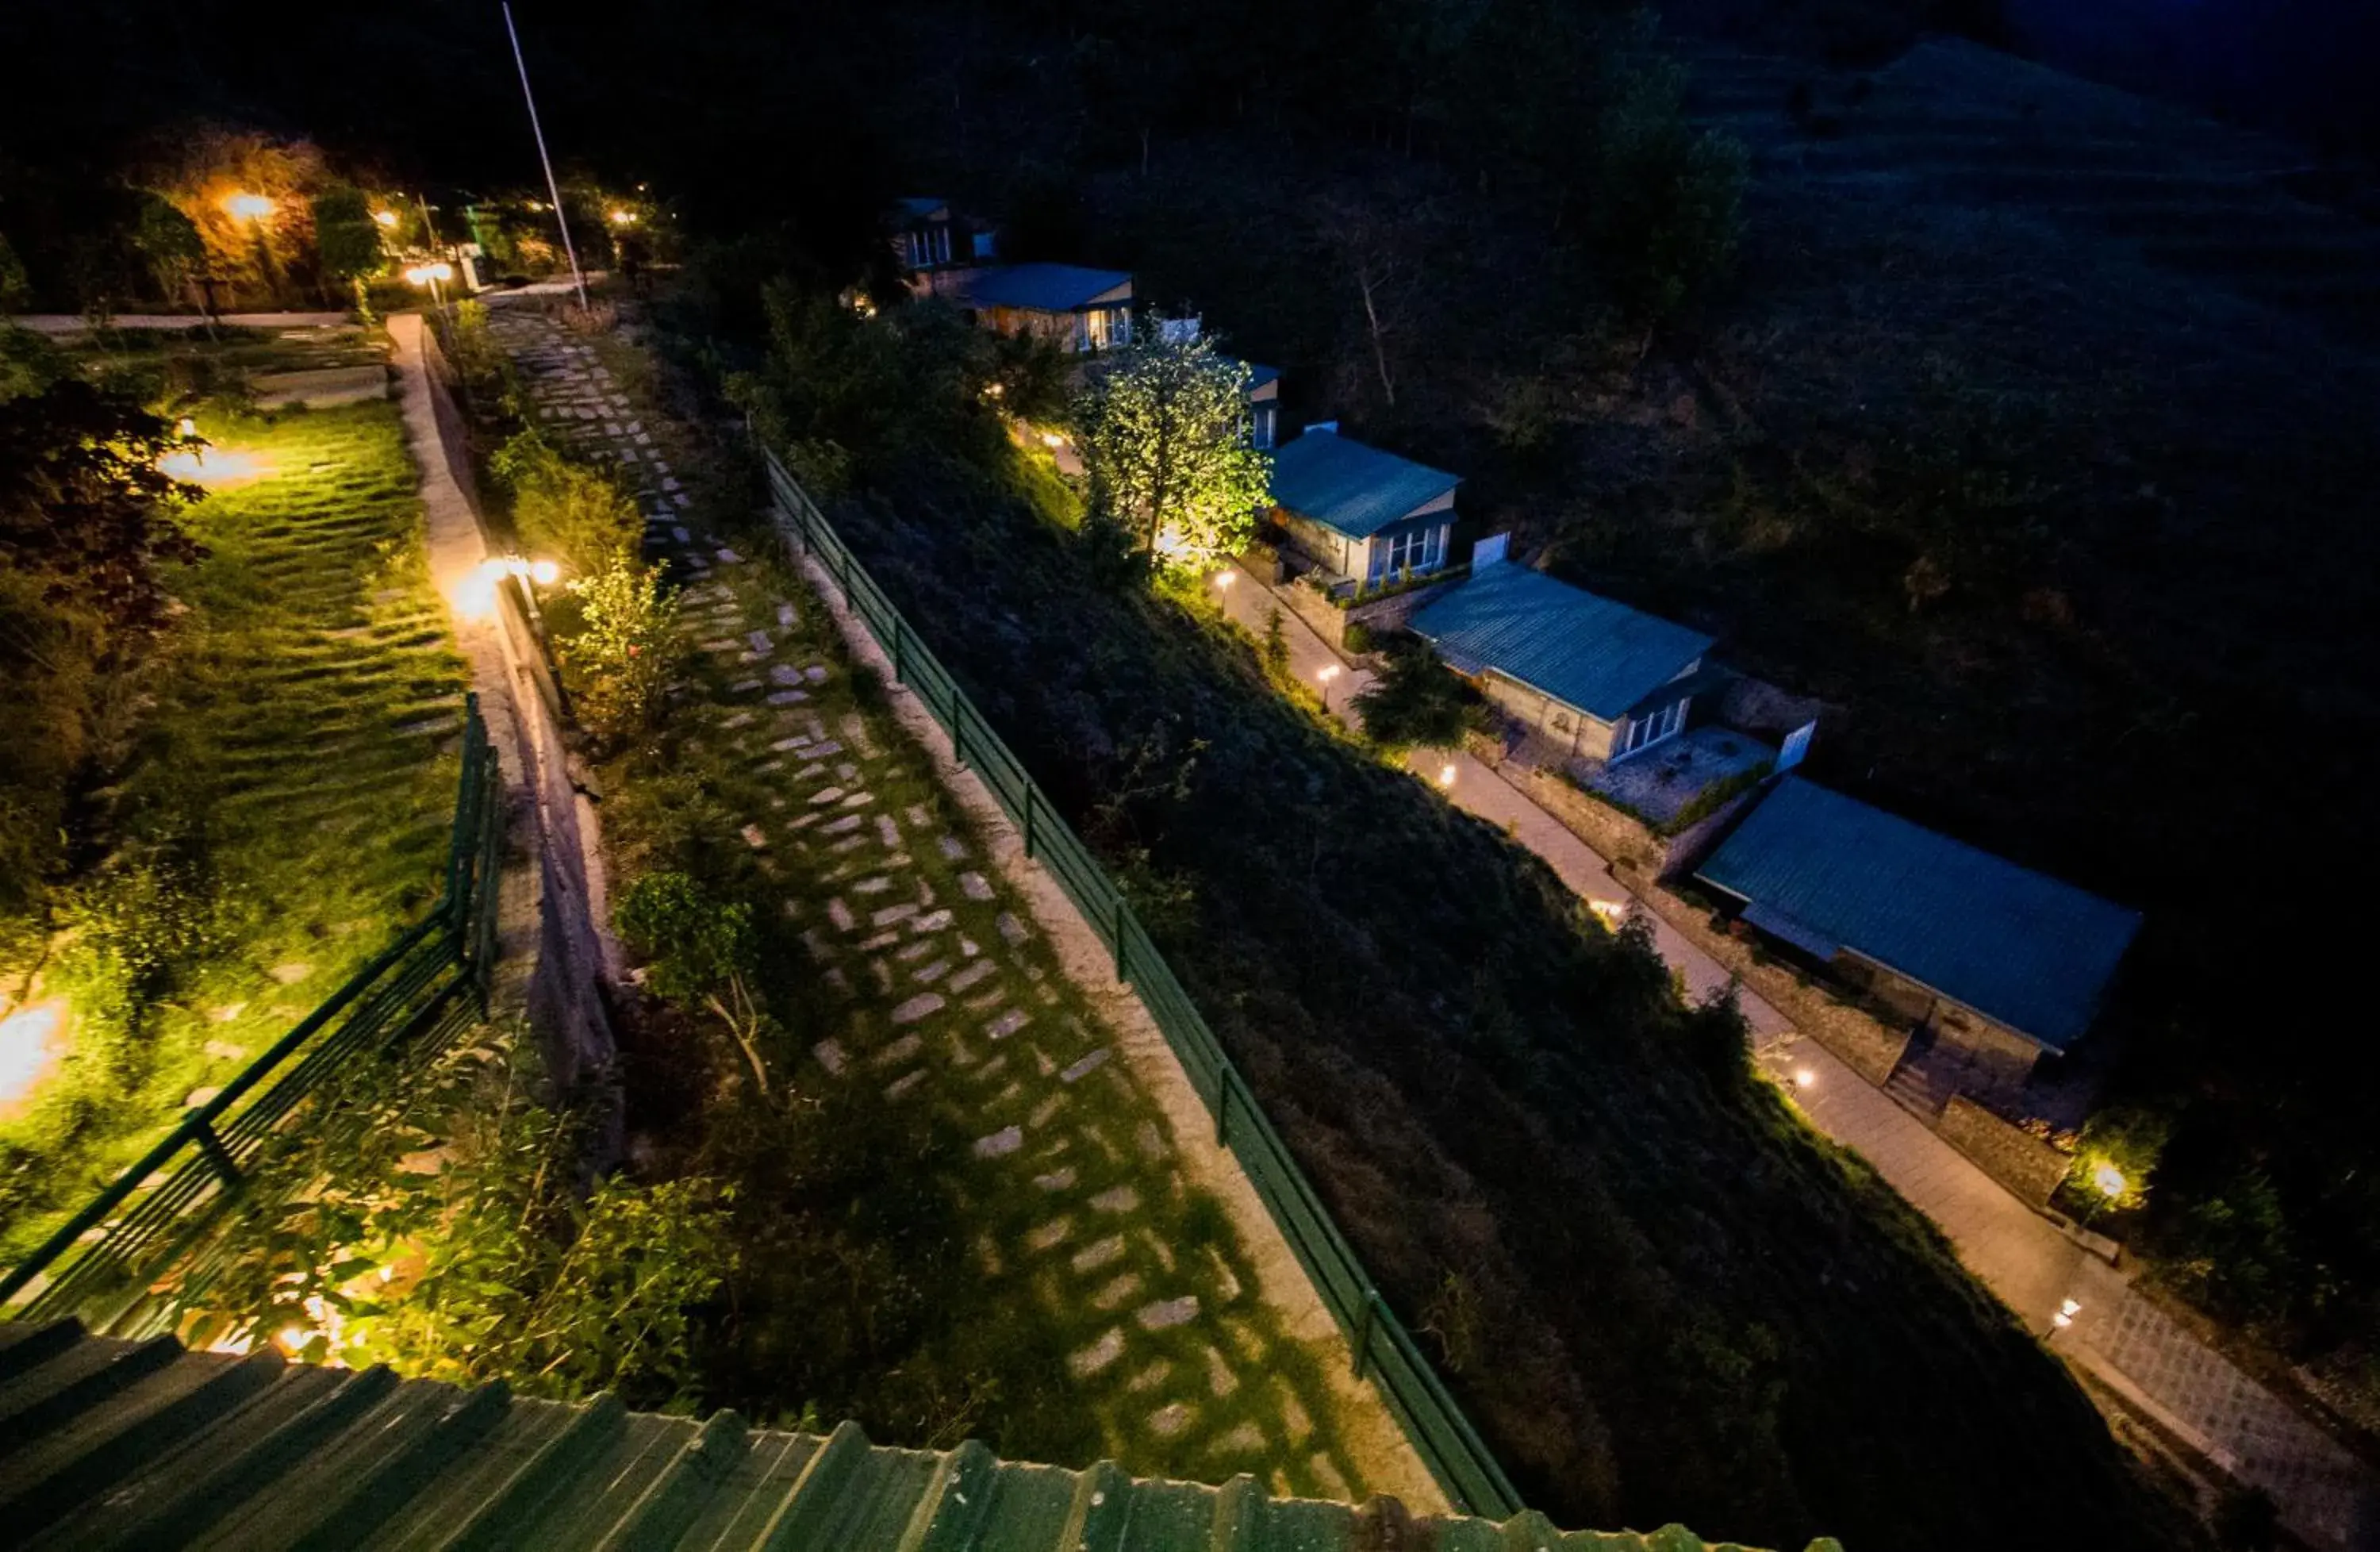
(2110, 1180)
(544, 573)
(1803, 1077)
(386, 218)
(1446, 775)
(1224, 580)
(29, 1047)
(186, 427)
(248, 207)
(2066, 1313)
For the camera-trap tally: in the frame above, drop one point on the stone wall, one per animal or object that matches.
(1380, 615)
(1622, 840)
(2018, 1160)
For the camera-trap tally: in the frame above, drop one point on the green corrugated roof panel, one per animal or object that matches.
(1350, 488)
(2016, 946)
(105, 1443)
(1578, 646)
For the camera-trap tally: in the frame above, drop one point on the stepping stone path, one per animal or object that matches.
(934, 988)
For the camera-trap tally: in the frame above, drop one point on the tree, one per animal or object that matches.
(1416, 701)
(83, 505)
(1165, 443)
(14, 287)
(346, 240)
(1665, 194)
(170, 246)
(700, 951)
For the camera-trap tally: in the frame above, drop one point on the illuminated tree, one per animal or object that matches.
(346, 240)
(1165, 443)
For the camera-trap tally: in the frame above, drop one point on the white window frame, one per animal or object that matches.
(1421, 550)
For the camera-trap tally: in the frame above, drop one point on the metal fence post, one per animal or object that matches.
(958, 726)
(1364, 1332)
(1028, 819)
(212, 1145)
(1222, 1111)
(842, 553)
(897, 633)
(1121, 908)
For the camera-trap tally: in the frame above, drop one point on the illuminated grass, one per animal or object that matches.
(307, 712)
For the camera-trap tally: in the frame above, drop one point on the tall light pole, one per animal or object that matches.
(551, 187)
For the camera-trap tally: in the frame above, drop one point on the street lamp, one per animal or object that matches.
(1224, 580)
(1446, 774)
(2110, 1180)
(387, 219)
(432, 275)
(248, 207)
(1325, 674)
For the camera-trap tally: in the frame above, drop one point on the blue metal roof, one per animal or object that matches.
(1578, 646)
(1041, 287)
(2016, 946)
(1349, 487)
(118, 1443)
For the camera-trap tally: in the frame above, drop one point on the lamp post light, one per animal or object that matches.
(1325, 676)
(432, 275)
(251, 210)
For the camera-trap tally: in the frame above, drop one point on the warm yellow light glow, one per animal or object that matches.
(248, 207)
(292, 1338)
(1327, 672)
(386, 218)
(1610, 913)
(1224, 580)
(1803, 1077)
(29, 1047)
(422, 274)
(544, 573)
(1054, 439)
(2110, 1180)
(186, 427)
(624, 218)
(994, 390)
(1446, 774)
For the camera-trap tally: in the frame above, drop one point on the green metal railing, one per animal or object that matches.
(1385, 1350)
(430, 983)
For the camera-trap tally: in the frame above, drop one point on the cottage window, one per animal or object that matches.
(1419, 550)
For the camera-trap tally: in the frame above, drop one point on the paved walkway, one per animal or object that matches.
(2326, 1493)
(75, 324)
(937, 988)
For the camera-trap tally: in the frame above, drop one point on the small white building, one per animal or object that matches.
(1588, 675)
(1362, 515)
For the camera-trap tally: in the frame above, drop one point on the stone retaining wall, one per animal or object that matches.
(2018, 1160)
(1378, 615)
(1620, 838)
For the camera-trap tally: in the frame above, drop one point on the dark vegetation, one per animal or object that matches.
(1659, 1297)
(2049, 531)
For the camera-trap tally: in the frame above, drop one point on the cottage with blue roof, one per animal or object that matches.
(1362, 515)
(1997, 958)
(1074, 307)
(1586, 675)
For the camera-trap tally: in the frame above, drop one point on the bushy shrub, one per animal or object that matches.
(1416, 700)
(627, 649)
(563, 508)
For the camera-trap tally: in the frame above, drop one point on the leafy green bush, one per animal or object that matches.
(563, 508)
(627, 649)
(701, 951)
(1417, 700)
(1357, 638)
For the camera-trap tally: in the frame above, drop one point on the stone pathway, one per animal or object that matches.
(939, 992)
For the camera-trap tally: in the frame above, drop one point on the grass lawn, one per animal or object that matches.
(306, 712)
(964, 1217)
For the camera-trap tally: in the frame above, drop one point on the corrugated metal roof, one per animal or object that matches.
(1350, 488)
(114, 1443)
(1578, 646)
(2020, 947)
(1041, 287)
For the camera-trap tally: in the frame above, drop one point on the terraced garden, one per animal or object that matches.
(288, 796)
(1086, 1297)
